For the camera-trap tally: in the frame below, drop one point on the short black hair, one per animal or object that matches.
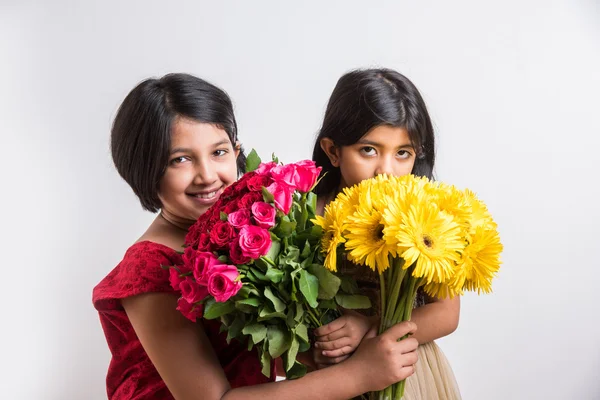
(364, 99)
(141, 131)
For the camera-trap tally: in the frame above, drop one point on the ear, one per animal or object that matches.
(236, 148)
(331, 150)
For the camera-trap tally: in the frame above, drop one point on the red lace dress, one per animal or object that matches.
(131, 374)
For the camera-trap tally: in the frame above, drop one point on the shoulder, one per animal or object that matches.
(140, 271)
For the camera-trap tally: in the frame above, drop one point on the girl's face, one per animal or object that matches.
(383, 150)
(201, 165)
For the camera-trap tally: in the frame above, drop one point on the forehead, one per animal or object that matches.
(189, 133)
(385, 135)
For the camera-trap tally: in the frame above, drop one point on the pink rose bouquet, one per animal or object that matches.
(252, 260)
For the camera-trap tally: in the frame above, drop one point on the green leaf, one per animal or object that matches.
(285, 228)
(267, 196)
(292, 353)
(274, 275)
(273, 251)
(299, 312)
(252, 161)
(353, 301)
(250, 343)
(302, 332)
(349, 285)
(297, 371)
(311, 202)
(266, 313)
(214, 309)
(329, 284)
(303, 347)
(250, 301)
(274, 158)
(279, 340)
(259, 275)
(277, 303)
(223, 216)
(306, 250)
(309, 286)
(235, 328)
(265, 360)
(257, 331)
(327, 304)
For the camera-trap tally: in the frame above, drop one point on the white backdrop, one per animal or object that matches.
(512, 87)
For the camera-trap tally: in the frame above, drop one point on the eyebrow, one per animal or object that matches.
(371, 143)
(188, 150)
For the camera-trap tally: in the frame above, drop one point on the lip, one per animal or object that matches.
(206, 201)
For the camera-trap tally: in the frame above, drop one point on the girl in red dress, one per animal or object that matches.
(174, 141)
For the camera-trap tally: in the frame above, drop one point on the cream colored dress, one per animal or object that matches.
(433, 378)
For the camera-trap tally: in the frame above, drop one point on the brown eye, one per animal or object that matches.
(368, 150)
(404, 154)
(178, 160)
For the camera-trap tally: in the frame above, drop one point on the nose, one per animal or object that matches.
(385, 166)
(205, 173)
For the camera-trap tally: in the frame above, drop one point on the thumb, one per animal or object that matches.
(372, 333)
(401, 329)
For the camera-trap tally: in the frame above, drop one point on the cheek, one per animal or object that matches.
(228, 173)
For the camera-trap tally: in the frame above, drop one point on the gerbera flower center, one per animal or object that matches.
(379, 231)
(428, 241)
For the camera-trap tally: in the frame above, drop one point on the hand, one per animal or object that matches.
(340, 338)
(383, 360)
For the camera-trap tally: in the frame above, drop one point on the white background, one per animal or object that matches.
(512, 87)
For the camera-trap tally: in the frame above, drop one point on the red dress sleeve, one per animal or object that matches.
(131, 374)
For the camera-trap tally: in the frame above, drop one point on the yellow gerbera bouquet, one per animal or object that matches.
(415, 233)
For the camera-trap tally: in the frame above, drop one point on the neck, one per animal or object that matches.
(175, 222)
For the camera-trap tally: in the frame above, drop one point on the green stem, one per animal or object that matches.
(382, 308)
(303, 213)
(395, 293)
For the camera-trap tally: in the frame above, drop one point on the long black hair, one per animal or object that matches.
(141, 132)
(364, 99)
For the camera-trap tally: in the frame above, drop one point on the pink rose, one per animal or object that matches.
(190, 311)
(282, 194)
(254, 241)
(191, 291)
(265, 168)
(306, 175)
(250, 198)
(174, 278)
(222, 283)
(200, 262)
(204, 243)
(257, 182)
(222, 234)
(235, 254)
(264, 214)
(239, 218)
(285, 174)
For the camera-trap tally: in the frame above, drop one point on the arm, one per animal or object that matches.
(184, 358)
(436, 319)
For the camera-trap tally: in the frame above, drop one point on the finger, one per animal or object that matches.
(344, 351)
(408, 345)
(335, 335)
(330, 327)
(333, 344)
(410, 359)
(399, 330)
(405, 372)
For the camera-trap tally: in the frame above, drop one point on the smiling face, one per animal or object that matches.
(382, 150)
(201, 165)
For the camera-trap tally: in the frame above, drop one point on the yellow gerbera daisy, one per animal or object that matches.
(479, 263)
(431, 238)
(480, 215)
(333, 225)
(366, 244)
